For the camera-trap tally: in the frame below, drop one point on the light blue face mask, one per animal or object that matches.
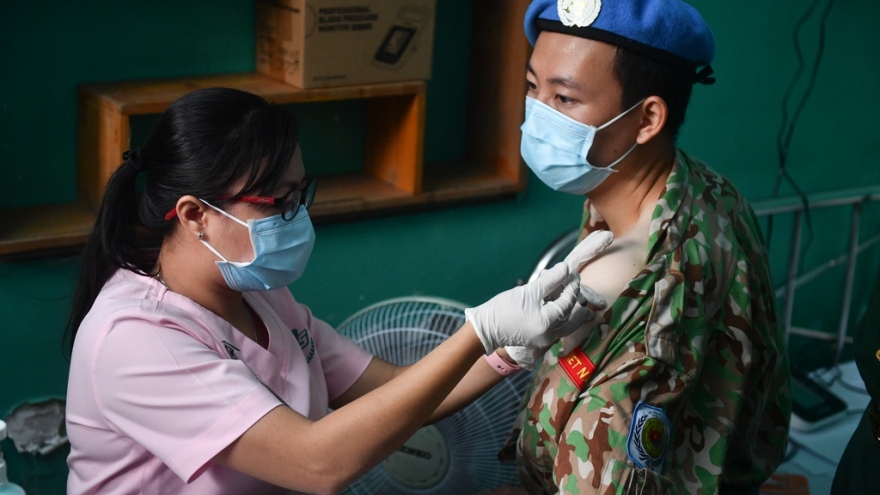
(281, 251)
(555, 147)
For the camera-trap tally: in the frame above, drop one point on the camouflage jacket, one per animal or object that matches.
(690, 388)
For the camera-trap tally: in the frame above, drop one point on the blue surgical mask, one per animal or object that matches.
(555, 147)
(281, 251)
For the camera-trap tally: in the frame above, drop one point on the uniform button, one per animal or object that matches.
(878, 354)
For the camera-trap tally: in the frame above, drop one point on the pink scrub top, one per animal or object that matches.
(159, 385)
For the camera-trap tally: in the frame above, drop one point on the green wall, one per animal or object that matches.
(466, 252)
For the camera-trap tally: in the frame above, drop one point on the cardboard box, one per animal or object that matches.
(322, 43)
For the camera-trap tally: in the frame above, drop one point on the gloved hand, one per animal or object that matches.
(527, 355)
(521, 316)
(537, 314)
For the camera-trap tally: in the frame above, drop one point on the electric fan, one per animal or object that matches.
(456, 455)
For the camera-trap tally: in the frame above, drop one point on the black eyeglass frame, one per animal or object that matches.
(296, 197)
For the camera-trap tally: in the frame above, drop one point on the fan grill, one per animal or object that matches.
(404, 330)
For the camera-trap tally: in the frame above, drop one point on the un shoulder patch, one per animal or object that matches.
(649, 436)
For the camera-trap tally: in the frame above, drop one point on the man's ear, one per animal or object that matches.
(654, 113)
(192, 214)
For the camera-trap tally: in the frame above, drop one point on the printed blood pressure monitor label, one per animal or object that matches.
(350, 18)
(321, 43)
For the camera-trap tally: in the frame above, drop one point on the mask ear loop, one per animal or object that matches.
(610, 168)
(202, 234)
(615, 119)
(241, 222)
(209, 246)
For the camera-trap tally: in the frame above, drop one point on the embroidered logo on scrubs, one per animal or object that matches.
(231, 350)
(305, 342)
(648, 437)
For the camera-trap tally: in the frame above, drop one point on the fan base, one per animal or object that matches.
(422, 462)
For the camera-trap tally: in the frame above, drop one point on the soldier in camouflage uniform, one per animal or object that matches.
(683, 385)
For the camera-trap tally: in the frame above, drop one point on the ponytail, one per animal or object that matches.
(113, 242)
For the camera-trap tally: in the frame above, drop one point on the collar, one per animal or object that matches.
(665, 233)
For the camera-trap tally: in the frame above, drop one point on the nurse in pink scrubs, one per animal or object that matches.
(193, 368)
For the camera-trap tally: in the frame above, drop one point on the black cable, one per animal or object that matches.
(820, 51)
(781, 148)
(837, 377)
(852, 388)
(780, 136)
(786, 129)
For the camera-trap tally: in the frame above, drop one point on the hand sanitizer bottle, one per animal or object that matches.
(6, 488)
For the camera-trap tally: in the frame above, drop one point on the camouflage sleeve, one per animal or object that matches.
(689, 400)
(690, 389)
(750, 368)
(617, 438)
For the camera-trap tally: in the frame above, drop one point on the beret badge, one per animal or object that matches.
(579, 13)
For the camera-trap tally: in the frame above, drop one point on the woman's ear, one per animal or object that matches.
(654, 114)
(192, 214)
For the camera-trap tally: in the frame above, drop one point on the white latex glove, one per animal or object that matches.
(522, 316)
(527, 355)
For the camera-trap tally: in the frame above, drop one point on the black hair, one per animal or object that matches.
(641, 76)
(201, 145)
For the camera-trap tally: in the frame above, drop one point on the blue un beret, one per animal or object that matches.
(670, 31)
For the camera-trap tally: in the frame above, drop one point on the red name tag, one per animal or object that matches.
(578, 367)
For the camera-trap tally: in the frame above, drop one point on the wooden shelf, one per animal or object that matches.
(394, 126)
(393, 176)
(44, 227)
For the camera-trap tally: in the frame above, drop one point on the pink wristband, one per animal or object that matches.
(500, 365)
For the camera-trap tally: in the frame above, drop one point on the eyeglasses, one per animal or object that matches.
(290, 202)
